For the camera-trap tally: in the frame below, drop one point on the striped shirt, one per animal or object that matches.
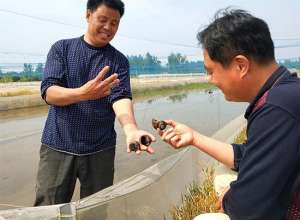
(86, 127)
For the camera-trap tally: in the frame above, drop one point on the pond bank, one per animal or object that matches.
(26, 94)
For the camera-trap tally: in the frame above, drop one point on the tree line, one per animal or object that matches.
(139, 64)
(29, 73)
(291, 63)
(176, 63)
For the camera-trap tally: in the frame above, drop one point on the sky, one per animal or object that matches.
(159, 27)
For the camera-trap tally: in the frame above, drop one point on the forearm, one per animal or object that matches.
(60, 96)
(222, 152)
(123, 109)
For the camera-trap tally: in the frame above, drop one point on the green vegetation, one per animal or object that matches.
(150, 64)
(198, 200)
(139, 64)
(241, 137)
(147, 64)
(165, 91)
(28, 74)
(290, 63)
(201, 198)
(138, 94)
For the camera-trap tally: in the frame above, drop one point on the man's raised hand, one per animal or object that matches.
(97, 87)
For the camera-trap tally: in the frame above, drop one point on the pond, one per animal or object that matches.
(21, 132)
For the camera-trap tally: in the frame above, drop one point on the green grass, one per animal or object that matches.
(201, 198)
(241, 138)
(139, 93)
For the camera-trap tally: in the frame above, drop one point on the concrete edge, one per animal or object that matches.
(17, 102)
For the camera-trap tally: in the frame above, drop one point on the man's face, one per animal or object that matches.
(225, 78)
(103, 24)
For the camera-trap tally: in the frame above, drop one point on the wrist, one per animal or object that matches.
(79, 94)
(196, 137)
(129, 128)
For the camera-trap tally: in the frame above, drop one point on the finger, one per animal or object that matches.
(109, 80)
(115, 83)
(171, 122)
(107, 88)
(143, 148)
(102, 73)
(147, 148)
(217, 205)
(111, 83)
(166, 133)
(150, 150)
(106, 93)
(175, 139)
(170, 136)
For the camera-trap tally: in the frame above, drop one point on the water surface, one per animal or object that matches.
(21, 132)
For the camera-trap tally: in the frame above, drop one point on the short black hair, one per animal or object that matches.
(236, 32)
(114, 4)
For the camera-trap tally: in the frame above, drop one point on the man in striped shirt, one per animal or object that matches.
(86, 83)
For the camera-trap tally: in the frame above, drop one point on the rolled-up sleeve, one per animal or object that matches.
(123, 90)
(238, 150)
(54, 72)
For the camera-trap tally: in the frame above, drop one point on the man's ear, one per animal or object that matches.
(242, 64)
(88, 15)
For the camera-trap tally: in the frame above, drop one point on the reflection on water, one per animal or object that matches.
(206, 111)
(149, 101)
(208, 91)
(23, 113)
(178, 97)
(26, 113)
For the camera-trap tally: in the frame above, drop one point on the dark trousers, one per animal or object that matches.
(58, 172)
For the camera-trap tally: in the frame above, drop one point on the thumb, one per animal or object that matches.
(171, 123)
(218, 205)
(102, 73)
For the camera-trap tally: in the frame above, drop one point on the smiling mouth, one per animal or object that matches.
(104, 35)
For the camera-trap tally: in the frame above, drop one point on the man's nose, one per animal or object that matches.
(107, 26)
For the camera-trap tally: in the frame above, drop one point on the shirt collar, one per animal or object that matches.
(91, 46)
(277, 75)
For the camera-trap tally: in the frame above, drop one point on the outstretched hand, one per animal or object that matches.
(135, 136)
(97, 87)
(178, 135)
